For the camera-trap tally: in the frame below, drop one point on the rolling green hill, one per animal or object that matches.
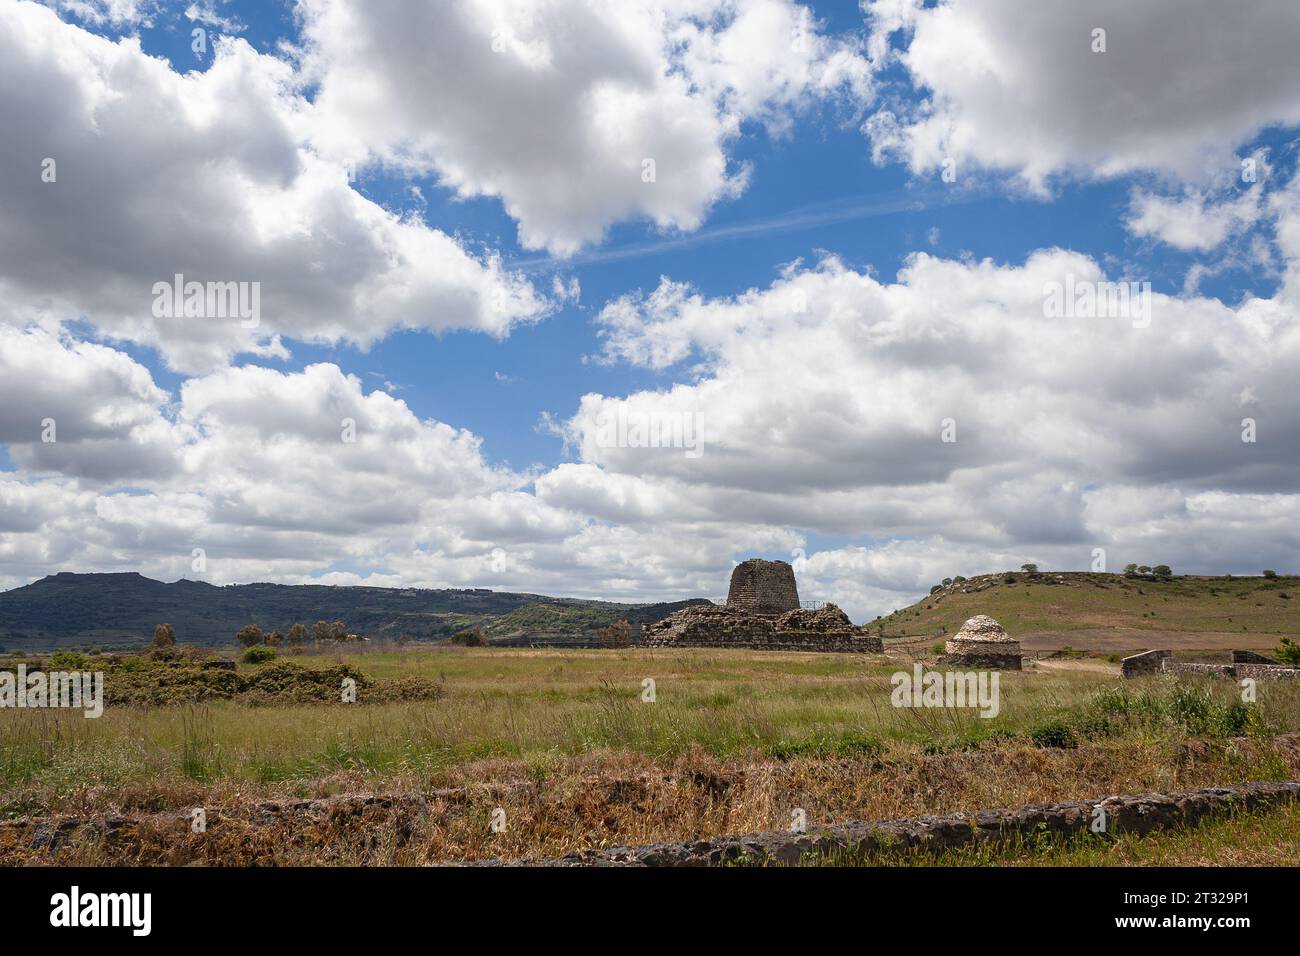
(1111, 613)
(66, 609)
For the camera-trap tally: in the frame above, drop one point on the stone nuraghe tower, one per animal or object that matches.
(763, 587)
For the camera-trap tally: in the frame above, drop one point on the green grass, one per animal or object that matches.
(1231, 608)
(540, 706)
(1269, 838)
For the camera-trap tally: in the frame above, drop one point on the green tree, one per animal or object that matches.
(1029, 568)
(1162, 571)
(470, 638)
(333, 631)
(249, 635)
(297, 635)
(1270, 573)
(1288, 652)
(1130, 570)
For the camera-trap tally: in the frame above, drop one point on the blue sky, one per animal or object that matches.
(820, 168)
(840, 145)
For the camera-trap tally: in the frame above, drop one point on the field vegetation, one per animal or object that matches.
(569, 747)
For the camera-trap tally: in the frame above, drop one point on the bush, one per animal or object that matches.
(471, 638)
(1053, 733)
(68, 661)
(333, 631)
(258, 654)
(1269, 573)
(249, 635)
(1288, 652)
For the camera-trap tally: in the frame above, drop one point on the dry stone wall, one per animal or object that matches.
(1245, 664)
(763, 587)
(1141, 814)
(826, 629)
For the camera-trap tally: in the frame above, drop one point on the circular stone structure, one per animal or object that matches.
(763, 587)
(982, 641)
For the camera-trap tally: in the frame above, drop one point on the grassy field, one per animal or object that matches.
(1246, 839)
(565, 743)
(1269, 838)
(1109, 613)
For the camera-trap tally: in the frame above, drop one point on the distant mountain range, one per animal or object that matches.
(67, 609)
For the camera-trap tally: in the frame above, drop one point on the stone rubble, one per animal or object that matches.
(1141, 814)
(763, 613)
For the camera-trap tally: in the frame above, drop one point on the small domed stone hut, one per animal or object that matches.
(982, 642)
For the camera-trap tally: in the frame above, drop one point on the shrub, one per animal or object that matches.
(258, 654)
(332, 631)
(68, 661)
(1269, 573)
(164, 636)
(937, 647)
(1053, 733)
(249, 635)
(1288, 652)
(470, 638)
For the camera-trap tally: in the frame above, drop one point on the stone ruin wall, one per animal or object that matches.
(826, 629)
(785, 641)
(762, 613)
(1245, 664)
(1008, 661)
(763, 587)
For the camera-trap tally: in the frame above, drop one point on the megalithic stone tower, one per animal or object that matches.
(763, 587)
